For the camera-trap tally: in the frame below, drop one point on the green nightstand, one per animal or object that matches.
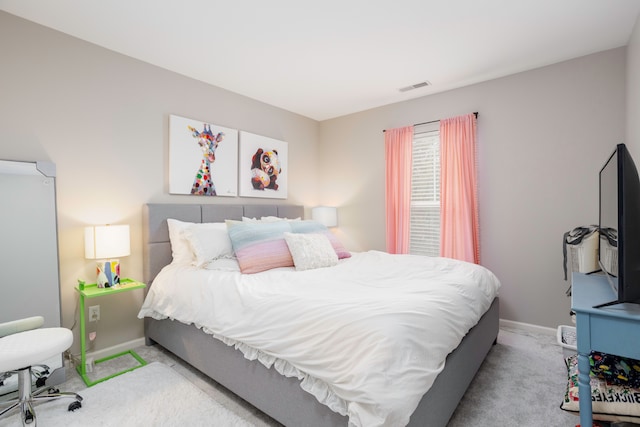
(93, 291)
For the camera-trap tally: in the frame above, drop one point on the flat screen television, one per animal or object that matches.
(619, 243)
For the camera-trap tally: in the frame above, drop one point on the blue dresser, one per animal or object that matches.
(614, 329)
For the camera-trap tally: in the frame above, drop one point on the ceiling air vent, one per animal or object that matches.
(415, 86)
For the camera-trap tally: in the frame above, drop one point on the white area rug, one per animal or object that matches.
(154, 395)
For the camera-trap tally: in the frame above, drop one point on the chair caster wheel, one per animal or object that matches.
(53, 390)
(40, 382)
(75, 406)
(28, 417)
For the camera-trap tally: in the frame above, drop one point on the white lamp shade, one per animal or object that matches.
(106, 241)
(326, 215)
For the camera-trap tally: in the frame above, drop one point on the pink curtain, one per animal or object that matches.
(398, 148)
(460, 235)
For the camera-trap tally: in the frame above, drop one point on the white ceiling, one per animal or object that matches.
(327, 58)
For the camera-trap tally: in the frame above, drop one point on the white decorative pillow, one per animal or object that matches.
(314, 227)
(180, 248)
(310, 251)
(208, 241)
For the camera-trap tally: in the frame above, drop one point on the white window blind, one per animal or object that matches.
(425, 194)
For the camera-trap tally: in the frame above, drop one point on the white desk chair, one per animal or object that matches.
(24, 344)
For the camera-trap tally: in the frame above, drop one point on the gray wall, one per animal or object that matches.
(542, 136)
(102, 118)
(633, 94)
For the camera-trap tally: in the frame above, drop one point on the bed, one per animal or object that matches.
(277, 395)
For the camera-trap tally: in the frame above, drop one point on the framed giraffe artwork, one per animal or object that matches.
(263, 167)
(203, 158)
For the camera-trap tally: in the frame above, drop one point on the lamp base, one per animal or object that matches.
(108, 273)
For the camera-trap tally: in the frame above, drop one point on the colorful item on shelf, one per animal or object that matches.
(108, 273)
(615, 369)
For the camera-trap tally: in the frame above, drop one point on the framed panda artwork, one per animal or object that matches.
(262, 167)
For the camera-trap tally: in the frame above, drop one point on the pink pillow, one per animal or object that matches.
(260, 246)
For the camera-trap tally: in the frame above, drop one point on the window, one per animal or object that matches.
(425, 192)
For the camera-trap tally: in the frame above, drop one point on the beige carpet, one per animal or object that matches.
(154, 395)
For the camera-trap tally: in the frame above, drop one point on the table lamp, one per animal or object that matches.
(325, 215)
(105, 243)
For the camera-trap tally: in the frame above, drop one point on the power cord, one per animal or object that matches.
(75, 359)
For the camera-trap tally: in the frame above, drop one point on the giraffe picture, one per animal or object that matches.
(203, 158)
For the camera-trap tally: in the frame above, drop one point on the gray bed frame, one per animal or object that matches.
(280, 397)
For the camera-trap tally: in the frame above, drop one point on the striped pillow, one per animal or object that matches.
(260, 246)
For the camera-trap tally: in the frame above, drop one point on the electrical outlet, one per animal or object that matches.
(94, 313)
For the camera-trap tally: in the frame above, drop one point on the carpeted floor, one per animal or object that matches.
(154, 395)
(521, 383)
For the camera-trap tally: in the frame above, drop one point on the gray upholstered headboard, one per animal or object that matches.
(157, 248)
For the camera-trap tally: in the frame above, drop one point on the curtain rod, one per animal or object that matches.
(433, 121)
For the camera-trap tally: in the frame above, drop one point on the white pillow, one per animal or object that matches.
(268, 219)
(245, 219)
(180, 248)
(208, 241)
(271, 218)
(310, 250)
(223, 264)
(262, 219)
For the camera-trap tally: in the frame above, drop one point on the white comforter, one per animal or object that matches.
(367, 337)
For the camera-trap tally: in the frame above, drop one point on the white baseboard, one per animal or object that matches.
(527, 327)
(99, 354)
